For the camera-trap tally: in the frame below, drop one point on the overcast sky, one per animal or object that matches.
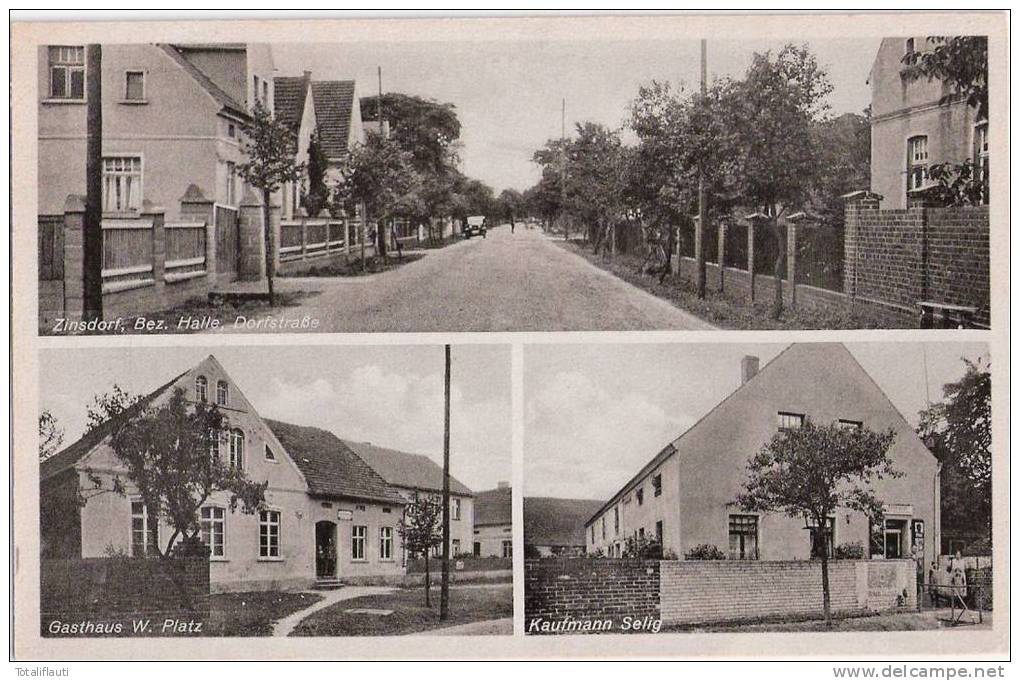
(594, 415)
(391, 396)
(508, 95)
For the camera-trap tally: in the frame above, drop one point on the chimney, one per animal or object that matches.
(308, 76)
(502, 484)
(748, 368)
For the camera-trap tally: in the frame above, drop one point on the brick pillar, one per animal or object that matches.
(158, 216)
(195, 207)
(74, 257)
(251, 264)
(854, 204)
(722, 255)
(698, 237)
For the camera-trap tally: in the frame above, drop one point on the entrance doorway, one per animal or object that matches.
(895, 530)
(325, 549)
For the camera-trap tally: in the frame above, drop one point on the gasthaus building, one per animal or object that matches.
(328, 515)
(684, 495)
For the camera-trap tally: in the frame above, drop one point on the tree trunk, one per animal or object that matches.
(428, 581)
(267, 230)
(380, 234)
(777, 270)
(826, 601)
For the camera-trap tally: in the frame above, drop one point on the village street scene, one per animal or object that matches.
(275, 491)
(757, 487)
(453, 186)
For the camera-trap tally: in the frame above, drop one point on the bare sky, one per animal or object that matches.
(595, 414)
(508, 95)
(391, 396)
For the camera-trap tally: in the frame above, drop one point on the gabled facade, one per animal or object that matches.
(338, 113)
(327, 514)
(684, 496)
(295, 108)
(171, 119)
(493, 532)
(912, 127)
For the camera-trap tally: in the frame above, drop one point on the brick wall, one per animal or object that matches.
(560, 590)
(107, 592)
(900, 257)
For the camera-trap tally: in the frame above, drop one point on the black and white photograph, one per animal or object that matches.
(598, 185)
(293, 491)
(765, 487)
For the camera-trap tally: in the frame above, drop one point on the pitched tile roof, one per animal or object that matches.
(224, 100)
(413, 471)
(549, 521)
(329, 466)
(493, 507)
(75, 452)
(289, 95)
(334, 106)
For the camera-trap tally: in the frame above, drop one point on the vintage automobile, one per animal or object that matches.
(475, 226)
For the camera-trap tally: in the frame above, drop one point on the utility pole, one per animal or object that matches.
(444, 593)
(380, 223)
(563, 170)
(92, 246)
(699, 230)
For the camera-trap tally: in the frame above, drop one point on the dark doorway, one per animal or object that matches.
(325, 549)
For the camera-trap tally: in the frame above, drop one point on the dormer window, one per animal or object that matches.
(202, 389)
(222, 393)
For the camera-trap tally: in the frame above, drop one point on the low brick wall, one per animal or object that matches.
(585, 595)
(124, 596)
(469, 563)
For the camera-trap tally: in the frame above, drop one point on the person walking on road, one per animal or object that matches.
(512, 223)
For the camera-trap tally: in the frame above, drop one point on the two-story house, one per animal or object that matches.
(916, 123)
(684, 496)
(414, 474)
(493, 532)
(327, 514)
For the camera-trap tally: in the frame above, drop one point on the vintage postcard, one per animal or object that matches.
(511, 337)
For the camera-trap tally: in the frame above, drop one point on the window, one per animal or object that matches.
(358, 534)
(237, 448)
(830, 530)
(134, 86)
(213, 530)
(222, 393)
(908, 46)
(640, 495)
(269, 534)
(508, 548)
(201, 389)
(254, 90)
(386, 509)
(616, 520)
(641, 533)
(603, 527)
(270, 456)
(477, 549)
(657, 484)
(144, 531)
(592, 534)
(850, 424)
(455, 509)
(231, 183)
(231, 130)
(67, 72)
(455, 547)
(658, 530)
(386, 543)
(917, 161)
(122, 183)
(981, 158)
(743, 537)
(788, 421)
(265, 93)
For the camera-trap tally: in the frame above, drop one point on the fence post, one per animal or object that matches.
(854, 203)
(74, 263)
(791, 259)
(752, 225)
(158, 216)
(196, 207)
(303, 221)
(722, 254)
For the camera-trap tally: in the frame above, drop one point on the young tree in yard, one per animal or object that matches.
(421, 530)
(959, 431)
(811, 472)
(270, 165)
(51, 436)
(779, 99)
(317, 196)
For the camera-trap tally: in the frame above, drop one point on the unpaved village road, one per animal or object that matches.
(506, 282)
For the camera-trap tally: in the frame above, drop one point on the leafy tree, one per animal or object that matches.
(642, 547)
(317, 196)
(958, 184)
(812, 471)
(51, 435)
(961, 62)
(421, 530)
(705, 552)
(172, 455)
(959, 432)
(424, 127)
(511, 204)
(108, 405)
(270, 165)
